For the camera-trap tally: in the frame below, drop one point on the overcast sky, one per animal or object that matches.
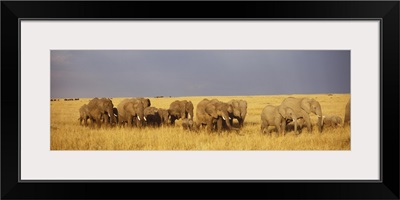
(149, 73)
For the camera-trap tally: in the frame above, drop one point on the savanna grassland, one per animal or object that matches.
(67, 134)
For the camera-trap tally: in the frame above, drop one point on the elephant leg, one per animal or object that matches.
(138, 122)
(283, 123)
(182, 115)
(278, 125)
(219, 125)
(92, 122)
(307, 120)
(129, 120)
(98, 121)
(210, 125)
(240, 122)
(105, 119)
(295, 126)
(173, 118)
(264, 127)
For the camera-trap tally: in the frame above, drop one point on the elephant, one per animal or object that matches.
(152, 117)
(99, 108)
(108, 118)
(332, 121)
(209, 112)
(129, 110)
(180, 110)
(188, 124)
(146, 102)
(302, 107)
(347, 114)
(239, 111)
(164, 115)
(277, 116)
(84, 114)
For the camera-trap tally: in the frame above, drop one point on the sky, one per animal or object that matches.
(150, 73)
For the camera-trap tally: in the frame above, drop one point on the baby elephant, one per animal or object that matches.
(152, 117)
(188, 124)
(332, 121)
(277, 116)
(83, 114)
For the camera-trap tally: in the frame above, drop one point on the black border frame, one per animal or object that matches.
(386, 11)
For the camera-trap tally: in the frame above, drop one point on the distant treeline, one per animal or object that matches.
(75, 99)
(162, 96)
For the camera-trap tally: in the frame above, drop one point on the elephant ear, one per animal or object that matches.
(243, 103)
(235, 103)
(187, 105)
(191, 107)
(306, 105)
(147, 103)
(211, 110)
(282, 111)
(290, 113)
(127, 105)
(229, 108)
(236, 107)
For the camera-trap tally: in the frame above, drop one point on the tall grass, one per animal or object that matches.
(67, 134)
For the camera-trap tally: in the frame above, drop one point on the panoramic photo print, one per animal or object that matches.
(200, 100)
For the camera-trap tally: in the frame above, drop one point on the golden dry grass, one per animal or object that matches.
(67, 134)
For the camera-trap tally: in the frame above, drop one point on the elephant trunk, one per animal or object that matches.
(140, 119)
(242, 115)
(190, 115)
(113, 120)
(319, 123)
(225, 117)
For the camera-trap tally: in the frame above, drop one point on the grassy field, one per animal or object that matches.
(67, 134)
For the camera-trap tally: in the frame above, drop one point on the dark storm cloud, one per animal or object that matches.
(130, 73)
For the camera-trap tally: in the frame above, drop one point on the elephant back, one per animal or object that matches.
(200, 109)
(291, 102)
(150, 111)
(121, 108)
(93, 103)
(268, 110)
(83, 108)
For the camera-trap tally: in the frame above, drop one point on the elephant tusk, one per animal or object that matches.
(224, 118)
(115, 115)
(230, 118)
(144, 118)
(109, 115)
(169, 117)
(138, 117)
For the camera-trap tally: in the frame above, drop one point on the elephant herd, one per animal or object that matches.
(215, 115)
(138, 112)
(297, 111)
